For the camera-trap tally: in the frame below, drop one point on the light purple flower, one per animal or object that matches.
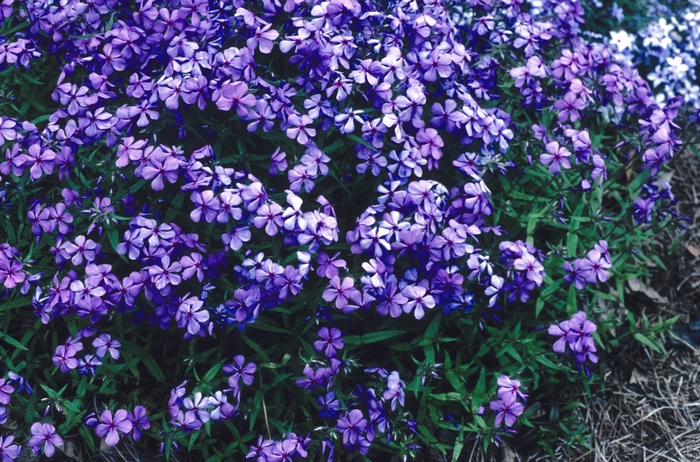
(5, 390)
(166, 273)
(234, 96)
(263, 39)
(8, 451)
(418, 300)
(111, 425)
(104, 344)
(507, 409)
(556, 157)
(44, 435)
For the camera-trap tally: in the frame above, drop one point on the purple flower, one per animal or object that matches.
(88, 365)
(329, 405)
(22, 384)
(11, 271)
(199, 405)
(104, 344)
(40, 161)
(269, 217)
(560, 331)
(7, 130)
(234, 96)
(313, 378)
(111, 425)
(569, 107)
(64, 358)
(340, 292)
(166, 273)
(575, 274)
(418, 300)
(556, 157)
(263, 39)
(506, 408)
(206, 204)
(301, 128)
(159, 168)
(238, 370)
(44, 434)
(394, 390)
(331, 340)
(139, 421)
(595, 267)
(508, 386)
(190, 315)
(352, 424)
(532, 268)
(5, 390)
(187, 421)
(8, 451)
(580, 331)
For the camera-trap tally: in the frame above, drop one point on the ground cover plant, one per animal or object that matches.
(306, 229)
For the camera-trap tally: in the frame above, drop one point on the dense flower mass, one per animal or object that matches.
(331, 189)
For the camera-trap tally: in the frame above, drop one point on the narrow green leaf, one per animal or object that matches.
(375, 337)
(653, 344)
(153, 367)
(12, 342)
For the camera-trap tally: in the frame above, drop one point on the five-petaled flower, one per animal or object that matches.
(111, 425)
(44, 434)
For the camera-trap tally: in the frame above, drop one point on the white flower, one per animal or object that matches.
(677, 67)
(622, 40)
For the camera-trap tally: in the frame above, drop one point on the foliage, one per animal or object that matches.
(286, 229)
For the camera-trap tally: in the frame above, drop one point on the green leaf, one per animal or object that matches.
(571, 302)
(333, 147)
(551, 288)
(209, 376)
(269, 327)
(459, 445)
(547, 363)
(113, 237)
(431, 331)
(15, 304)
(359, 140)
(153, 367)
(372, 337)
(12, 341)
(539, 304)
(404, 346)
(653, 344)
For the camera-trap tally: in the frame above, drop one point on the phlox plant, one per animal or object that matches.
(305, 229)
(661, 42)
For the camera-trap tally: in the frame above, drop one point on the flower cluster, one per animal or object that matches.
(595, 267)
(577, 333)
(44, 438)
(508, 407)
(272, 174)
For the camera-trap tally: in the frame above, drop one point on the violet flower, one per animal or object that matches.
(44, 435)
(507, 409)
(8, 451)
(111, 425)
(331, 341)
(352, 425)
(104, 344)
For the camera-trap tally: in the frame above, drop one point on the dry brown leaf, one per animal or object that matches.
(694, 251)
(638, 377)
(638, 286)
